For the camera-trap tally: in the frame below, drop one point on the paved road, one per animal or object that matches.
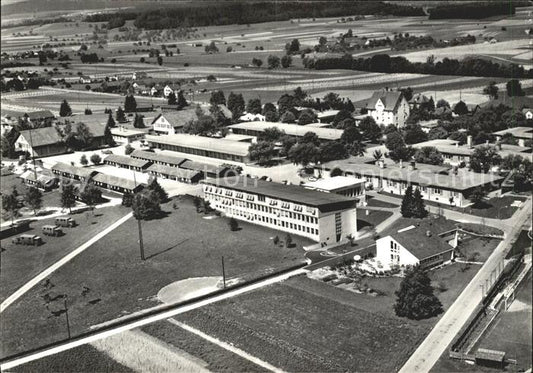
(47, 272)
(452, 321)
(151, 319)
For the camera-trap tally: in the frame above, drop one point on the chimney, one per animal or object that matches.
(499, 144)
(400, 164)
(412, 166)
(469, 141)
(487, 142)
(457, 144)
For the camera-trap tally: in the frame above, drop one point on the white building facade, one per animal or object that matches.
(322, 217)
(389, 108)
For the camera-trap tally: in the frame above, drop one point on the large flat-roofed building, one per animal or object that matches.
(257, 128)
(203, 146)
(436, 183)
(343, 185)
(126, 136)
(324, 217)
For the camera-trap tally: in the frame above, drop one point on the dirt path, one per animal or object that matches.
(143, 353)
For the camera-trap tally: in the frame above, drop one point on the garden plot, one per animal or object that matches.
(358, 81)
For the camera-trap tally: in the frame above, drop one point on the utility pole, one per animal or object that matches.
(66, 314)
(223, 274)
(32, 154)
(141, 244)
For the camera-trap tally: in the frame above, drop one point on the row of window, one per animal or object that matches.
(251, 197)
(272, 221)
(262, 208)
(201, 152)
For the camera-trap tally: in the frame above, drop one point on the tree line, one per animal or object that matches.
(255, 12)
(475, 10)
(383, 63)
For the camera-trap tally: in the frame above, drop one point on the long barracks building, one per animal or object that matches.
(323, 217)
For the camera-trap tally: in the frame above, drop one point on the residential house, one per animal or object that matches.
(167, 91)
(84, 79)
(388, 107)
(521, 134)
(528, 113)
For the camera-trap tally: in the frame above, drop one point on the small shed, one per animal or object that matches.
(490, 358)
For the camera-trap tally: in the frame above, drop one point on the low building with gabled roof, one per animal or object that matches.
(116, 184)
(72, 172)
(414, 246)
(123, 161)
(40, 142)
(158, 158)
(175, 173)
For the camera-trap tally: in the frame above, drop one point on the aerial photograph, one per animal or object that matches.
(318, 186)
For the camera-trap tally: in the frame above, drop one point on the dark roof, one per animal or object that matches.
(174, 171)
(204, 167)
(390, 99)
(42, 136)
(418, 243)
(40, 114)
(116, 181)
(73, 170)
(178, 118)
(291, 193)
(96, 129)
(123, 159)
(157, 157)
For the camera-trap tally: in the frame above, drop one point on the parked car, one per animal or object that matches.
(107, 152)
(52, 230)
(65, 222)
(27, 239)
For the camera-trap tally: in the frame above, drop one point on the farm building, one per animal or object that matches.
(436, 183)
(414, 246)
(39, 115)
(73, 172)
(175, 173)
(323, 217)
(124, 161)
(123, 135)
(257, 128)
(158, 158)
(40, 142)
(117, 184)
(388, 107)
(171, 122)
(204, 146)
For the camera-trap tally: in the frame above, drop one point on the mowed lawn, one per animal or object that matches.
(20, 263)
(109, 280)
(308, 325)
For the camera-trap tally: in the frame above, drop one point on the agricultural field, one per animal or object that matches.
(125, 284)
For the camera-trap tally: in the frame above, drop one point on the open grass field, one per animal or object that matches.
(20, 263)
(181, 245)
